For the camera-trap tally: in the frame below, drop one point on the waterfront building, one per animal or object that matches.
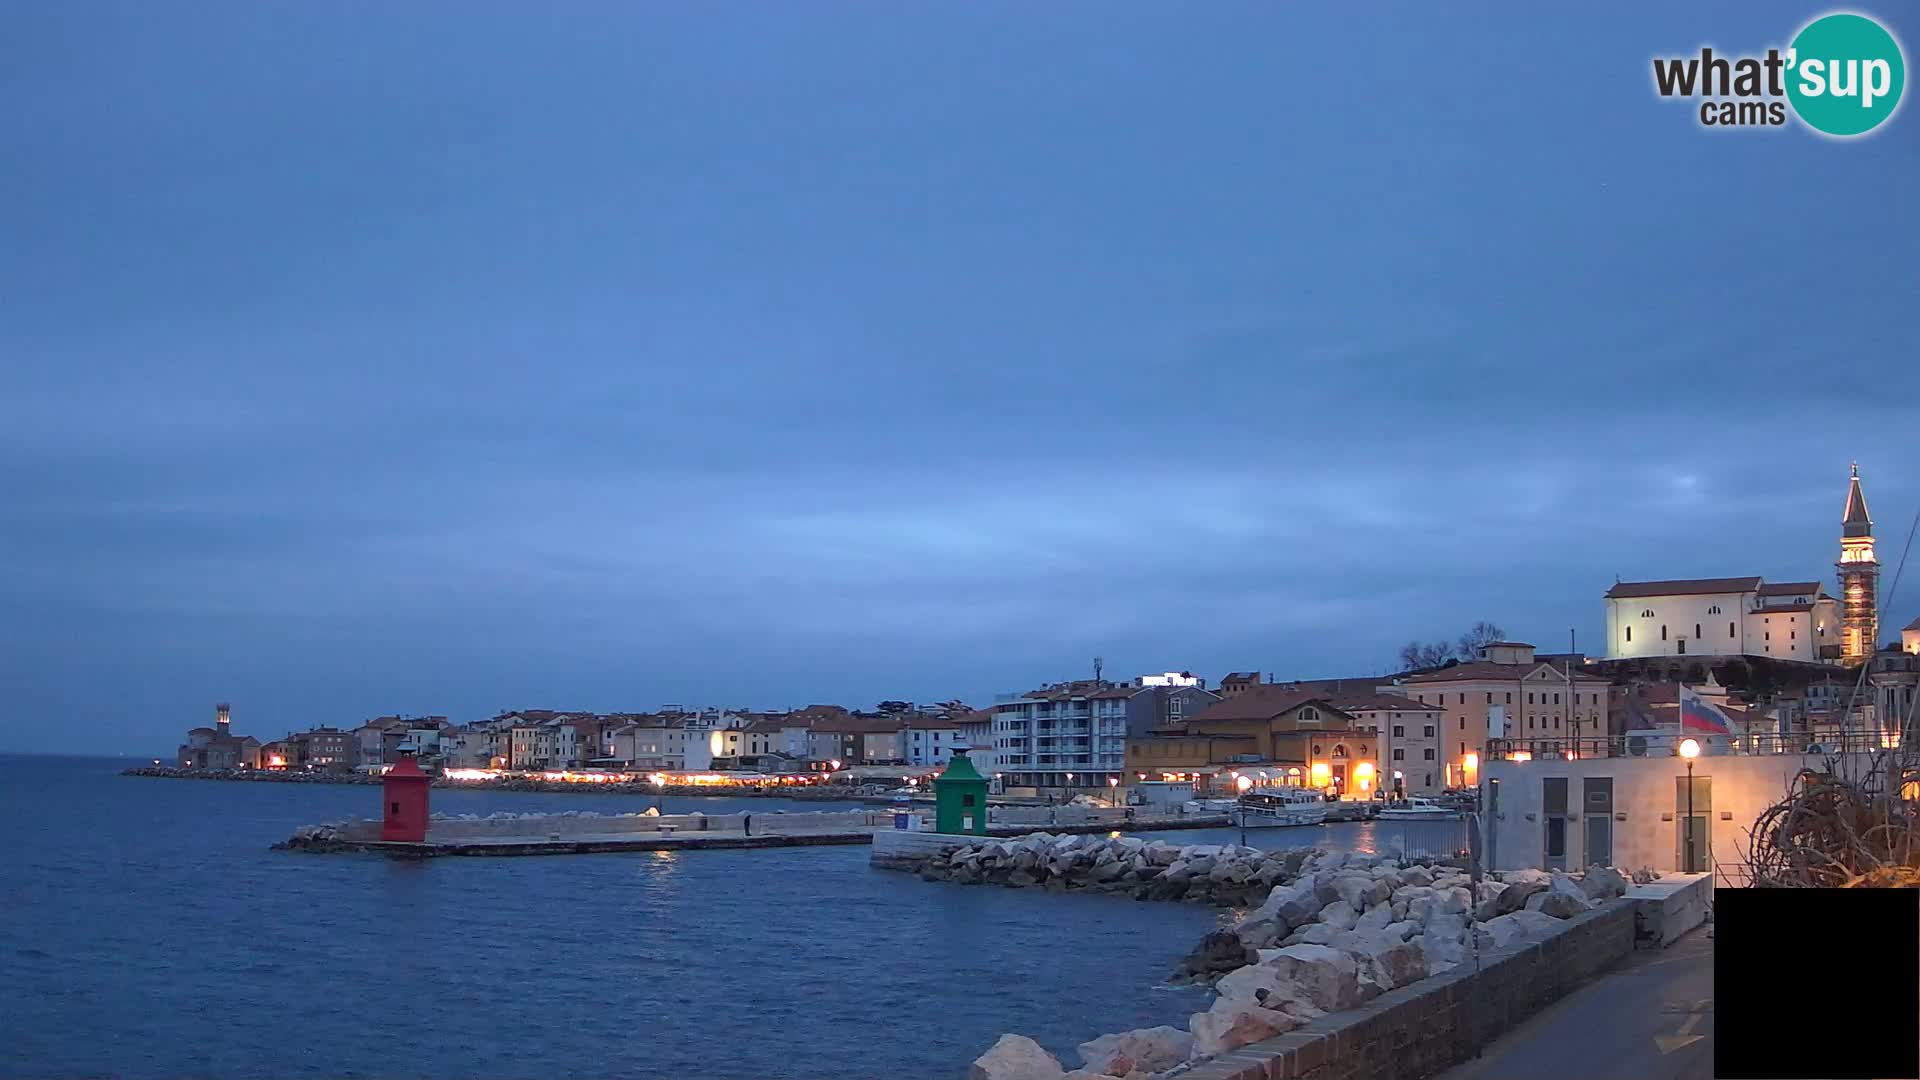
(930, 739)
(856, 738)
(1238, 682)
(1910, 637)
(1066, 739)
(1507, 691)
(1406, 733)
(1894, 678)
(217, 747)
(1282, 735)
(659, 744)
(321, 749)
(1155, 705)
(976, 734)
(377, 742)
(275, 755)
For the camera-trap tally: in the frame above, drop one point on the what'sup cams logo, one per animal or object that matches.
(1842, 76)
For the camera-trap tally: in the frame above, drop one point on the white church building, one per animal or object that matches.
(1745, 616)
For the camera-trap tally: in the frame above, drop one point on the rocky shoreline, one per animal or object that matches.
(1329, 933)
(818, 792)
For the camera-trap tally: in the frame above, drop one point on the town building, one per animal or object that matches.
(1894, 678)
(217, 747)
(1062, 740)
(930, 739)
(976, 734)
(321, 749)
(1238, 682)
(1507, 692)
(1910, 637)
(1157, 705)
(1294, 737)
(1407, 735)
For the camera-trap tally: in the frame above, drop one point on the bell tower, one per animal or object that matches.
(1859, 578)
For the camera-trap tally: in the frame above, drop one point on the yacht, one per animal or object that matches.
(1270, 810)
(1418, 808)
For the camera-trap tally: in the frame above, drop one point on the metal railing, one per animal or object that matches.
(1667, 744)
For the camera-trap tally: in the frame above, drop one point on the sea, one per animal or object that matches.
(147, 930)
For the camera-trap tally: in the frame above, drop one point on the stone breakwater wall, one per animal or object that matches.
(573, 824)
(1220, 874)
(1336, 933)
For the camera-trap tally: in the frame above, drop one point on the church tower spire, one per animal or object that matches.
(1859, 577)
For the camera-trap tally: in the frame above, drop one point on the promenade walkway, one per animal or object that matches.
(1650, 1019)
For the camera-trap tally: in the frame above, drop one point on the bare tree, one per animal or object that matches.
(1420, 656)
(1479, 636)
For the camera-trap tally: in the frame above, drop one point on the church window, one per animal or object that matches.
(1663, 631)
(1647, 614)
(1714, 610)
(1729, 629)
(1696, 631)
(1629, 633)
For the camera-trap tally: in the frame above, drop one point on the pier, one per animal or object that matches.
(588, 834)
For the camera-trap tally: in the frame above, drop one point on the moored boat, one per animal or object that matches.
(1270, 810)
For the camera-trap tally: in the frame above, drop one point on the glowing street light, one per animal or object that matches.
(1689, 749)
(1113, 790)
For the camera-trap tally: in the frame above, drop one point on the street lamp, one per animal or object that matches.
(1113, 791)
(1689, 749)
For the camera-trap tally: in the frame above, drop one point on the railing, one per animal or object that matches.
(1667, 744)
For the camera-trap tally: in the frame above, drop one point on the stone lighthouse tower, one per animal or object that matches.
(1859, 578)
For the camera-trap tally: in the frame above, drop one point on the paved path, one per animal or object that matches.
(1649, 1019)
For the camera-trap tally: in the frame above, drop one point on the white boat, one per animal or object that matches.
(1273, 810)
(1418, 808)
(1209, 806)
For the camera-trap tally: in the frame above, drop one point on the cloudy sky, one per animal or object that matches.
(451, 357)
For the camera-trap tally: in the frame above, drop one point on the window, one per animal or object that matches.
(1429, 779)
(1309, 713)
(1463, 723)
(1399, 731)
(1647, 614)
(1316, 749)
(1696, 630)
(1793, 635)
(1529, 723)
(1509, 697)
(1529, 698)
(1663, 631)
(1340, 750)
(1463, 699)
(1429, 732)
(1629, 633)
(1768, 635)
(1714, 610)
(1399, 754)
(1556, 723)
(1428, 754)
(1729, 629)
(1489, 697)
(1556, 699)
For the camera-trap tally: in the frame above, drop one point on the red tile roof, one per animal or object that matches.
(1682, 587)
(1488, 671)
(1790, 588)
(1353, 703)
(1262, 702)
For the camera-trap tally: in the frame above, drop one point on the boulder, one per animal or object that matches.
(1232, 1024)
(1146, 1050)
(1340, 915)
(1487, 890)
(1526, 877)
(1559, 905)
(1317, 933)
(1292, 905)
(1645, 874)
(1409, 893)
(1603, 882)
(1218, 952)
(1401, 929)
(1016, 1057)
(1329, 977)
(1512, 898)
(1259, 933)
(1452, 901)
(1415, 876)
(1374, 919)
(1401, 963)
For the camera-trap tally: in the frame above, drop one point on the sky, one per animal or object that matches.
(455, 357)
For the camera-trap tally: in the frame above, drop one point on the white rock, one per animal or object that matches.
(1517, 877)
(1236, 1025)
(1328, 976)
(1402, 929)
(1374, 919)
(1340, 915)
(1016, 1057)
(1147, 1050)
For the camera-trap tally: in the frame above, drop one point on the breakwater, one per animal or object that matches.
(1333, 934)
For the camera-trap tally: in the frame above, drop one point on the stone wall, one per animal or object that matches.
(569, 825)
(1421, 1029)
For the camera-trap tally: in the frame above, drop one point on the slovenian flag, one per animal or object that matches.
(1697, 714)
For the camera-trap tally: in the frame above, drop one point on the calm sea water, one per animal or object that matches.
(147, 931)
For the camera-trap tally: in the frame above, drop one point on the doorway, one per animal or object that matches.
(1693, 817)
(1598, 808)
(1553, 803)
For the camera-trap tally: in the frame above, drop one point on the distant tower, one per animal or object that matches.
(1859, 578)
(220, 717)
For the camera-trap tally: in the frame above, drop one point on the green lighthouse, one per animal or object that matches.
(960, 798)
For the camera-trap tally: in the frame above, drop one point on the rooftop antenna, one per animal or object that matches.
(1099, 663)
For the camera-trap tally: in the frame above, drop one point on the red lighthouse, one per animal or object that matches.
(405, 796)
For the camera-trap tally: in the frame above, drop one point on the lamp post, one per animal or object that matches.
(1113, 791)
(1243, 783)
(1689, 749)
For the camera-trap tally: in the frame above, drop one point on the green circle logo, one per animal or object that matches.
(1845, 74)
